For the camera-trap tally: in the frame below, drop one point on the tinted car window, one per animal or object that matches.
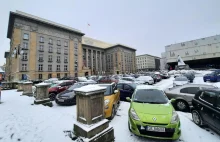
(120, 86)
(193, 90)
(63, 84)
(208, 97)
(184, 90)
(69, 83)
(127, 87)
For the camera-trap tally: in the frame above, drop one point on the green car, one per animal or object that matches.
(152, 115)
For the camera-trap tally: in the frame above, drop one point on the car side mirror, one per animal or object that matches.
(128, 99)
(116, 91)
(172, 100)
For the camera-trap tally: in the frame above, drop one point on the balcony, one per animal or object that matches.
(58, 61)
(65, 53)
(50, 51)
(23, 48)
(65, 61)
(24, 59)
(41, 50)
(58, 52)
(40, 60)
(58, 70)
(23, 70)
(50, 61)
(40, 70)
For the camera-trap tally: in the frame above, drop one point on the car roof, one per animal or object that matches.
(147, 87)
(211, 89)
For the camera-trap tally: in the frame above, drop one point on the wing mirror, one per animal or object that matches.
(128, 99)
(116, 91)
(172, 100)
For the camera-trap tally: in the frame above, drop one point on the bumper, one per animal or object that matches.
(172, 131)
(151, 82)
(66, 102)
(108, 112)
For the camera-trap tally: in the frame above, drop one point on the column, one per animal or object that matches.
(87, 57)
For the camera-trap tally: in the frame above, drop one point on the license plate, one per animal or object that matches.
(61, 100)
(155, 129)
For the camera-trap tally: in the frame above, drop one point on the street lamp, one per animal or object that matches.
(17, 51)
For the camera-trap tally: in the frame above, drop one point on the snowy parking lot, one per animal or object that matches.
(20, 120)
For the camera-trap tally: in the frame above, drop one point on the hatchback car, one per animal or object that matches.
(146, 79)
(152, 115)
(213, 76)
(181, 80)
(206, 108)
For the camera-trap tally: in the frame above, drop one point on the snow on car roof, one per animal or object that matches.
(147, 87)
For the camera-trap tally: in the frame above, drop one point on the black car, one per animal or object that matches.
(126, 90)
(68, 96)
(206, 108)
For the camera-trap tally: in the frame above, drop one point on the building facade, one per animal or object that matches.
(163, 61)
(199, 53)
(53, 50)
(147, 62)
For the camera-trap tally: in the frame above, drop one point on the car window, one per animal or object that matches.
(208, 96)
(127, 87)
(120, 86)
(69, 83)
(193, 90)
(184, 90)
(63, 84)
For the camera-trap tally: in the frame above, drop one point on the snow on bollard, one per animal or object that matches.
(42, 94)
(91, 125)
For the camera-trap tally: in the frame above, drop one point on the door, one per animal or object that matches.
(207, 99)
(217, 114)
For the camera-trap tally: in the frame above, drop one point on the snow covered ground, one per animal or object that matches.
(20, 120)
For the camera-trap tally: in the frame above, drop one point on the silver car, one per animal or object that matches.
(184, 95)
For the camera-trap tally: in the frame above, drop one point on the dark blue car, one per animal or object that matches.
(126, 90)
(213, 77)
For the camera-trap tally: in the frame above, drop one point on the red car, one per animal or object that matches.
(107, 79)
(57, 88)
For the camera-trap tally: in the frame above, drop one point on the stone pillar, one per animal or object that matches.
(42, 94)
(91, 124)
(20, 86)
(27, 89)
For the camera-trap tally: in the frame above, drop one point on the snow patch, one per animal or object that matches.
(88, 128)
(94, 118)
(82, 118)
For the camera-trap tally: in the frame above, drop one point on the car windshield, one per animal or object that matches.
(153, 96)
(82, 78)
(181, 79)
(108, 89)
(75, 86)
(54, 85)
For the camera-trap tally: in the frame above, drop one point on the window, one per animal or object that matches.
(65, 43)
(58, 50)
(40, 57)
(208, 97)
(126, 87)
(24, 67)
(40, 76)
(184, 90)
(49, 67)
(40, 67)
(65, 51)
(58, 42)
(50, 41)
(65, 59)
(41, 39)
(58, 58)
(50, 49)
(25, 45)
(26, 36)
(58, 75)
(24, 56)
(120, 86)
(41, 48)
(193, 90)
(65, 67)
(58, 67)
(49, 75)
(50, 58)
(65, 74)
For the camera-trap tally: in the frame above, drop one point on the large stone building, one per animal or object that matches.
(199, 53)
(54, 50)
(147, 62)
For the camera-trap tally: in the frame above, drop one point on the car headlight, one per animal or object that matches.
(106, 103)
(175, 117)
(134, 114)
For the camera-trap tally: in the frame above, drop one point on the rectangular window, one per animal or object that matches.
(58, 42)
(58, 58)
(24, 56)
(24, 67)
(65, 43)
(49, 75)
(40, 76)
(40, 67)
(41, 39)
(65, 74)
(25, 45)
(50, 49)
(41, 48)
(58, 50)
(40, 57)
(50, 41)
(49, 67)
(58, 75)
(65, 51)
(26, 36)
(65, 67)
(208, 97)
(58, 67)
(65, 59)
(50, 58)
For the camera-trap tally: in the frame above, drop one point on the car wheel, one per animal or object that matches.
(147, 83)
(113, 112)
(52, 96)
(196, 118)
(129, 126)
(182, 105)
(204, 80)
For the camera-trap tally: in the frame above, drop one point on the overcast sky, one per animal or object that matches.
(147, 25)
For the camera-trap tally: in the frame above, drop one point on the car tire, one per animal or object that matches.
(204, 80)
(129, 128)
(113, 112)
(52, 96)
(196, 118)
(182, 105)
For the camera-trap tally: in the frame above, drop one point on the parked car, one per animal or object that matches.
(68, 96)
(126, 90)
(157, 77)
(184, 95)
(181, 80)
(107, 79)
(68, 78)
(213, 77)
(112, 99)
(206, 108)
(131, 80)
(152, 115)
(146, 79)
(58, 88)
(164, 75)
(51, 80)
(190, 76)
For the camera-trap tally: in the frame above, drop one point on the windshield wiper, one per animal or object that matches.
(139, 101)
